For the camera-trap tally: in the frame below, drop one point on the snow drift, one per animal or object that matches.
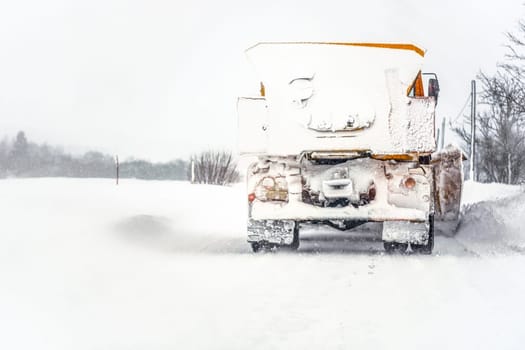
(85, 264)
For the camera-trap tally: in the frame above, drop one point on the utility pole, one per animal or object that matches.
(443, 133)
(472, 130)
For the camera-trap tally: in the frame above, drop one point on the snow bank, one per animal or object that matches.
(493, 218)
(475, 192)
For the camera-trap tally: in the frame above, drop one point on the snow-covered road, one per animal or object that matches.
(85, 264)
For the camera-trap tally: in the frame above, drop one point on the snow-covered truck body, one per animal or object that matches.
(344, 134)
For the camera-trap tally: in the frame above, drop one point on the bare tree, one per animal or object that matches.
(215, 167)
(500, 129)
(515, 57)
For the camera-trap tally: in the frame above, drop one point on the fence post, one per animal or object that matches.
(117, 163)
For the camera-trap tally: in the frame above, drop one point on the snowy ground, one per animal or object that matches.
(85, 264)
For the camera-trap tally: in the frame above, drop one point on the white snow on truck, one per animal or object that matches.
(344, 134)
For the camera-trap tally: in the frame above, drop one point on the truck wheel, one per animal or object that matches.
(256, 246)
(295, 243)
(395, 247)
(426, 248)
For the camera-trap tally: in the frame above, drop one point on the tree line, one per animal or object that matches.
(22, 158)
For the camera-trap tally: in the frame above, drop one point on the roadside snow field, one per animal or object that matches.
(85, 264)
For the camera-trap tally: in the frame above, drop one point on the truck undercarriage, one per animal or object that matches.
(342, 193)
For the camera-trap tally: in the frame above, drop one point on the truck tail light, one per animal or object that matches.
(372, 192)
(409, 182)
(251, 197)
(272, 189)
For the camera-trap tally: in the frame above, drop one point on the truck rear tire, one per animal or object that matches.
(426, 248)
(256, 246)
(395, 247)
(295, 243)
(263, 245)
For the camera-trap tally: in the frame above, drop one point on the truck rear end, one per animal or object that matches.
(343, 134)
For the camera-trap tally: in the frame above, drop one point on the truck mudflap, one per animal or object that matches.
(448, 180)
(406, 232)
(279, 232)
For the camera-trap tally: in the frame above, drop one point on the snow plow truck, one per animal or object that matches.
(344, 134)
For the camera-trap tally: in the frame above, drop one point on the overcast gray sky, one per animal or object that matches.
(159, 79)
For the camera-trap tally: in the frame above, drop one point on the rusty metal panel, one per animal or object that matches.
(448, 179)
